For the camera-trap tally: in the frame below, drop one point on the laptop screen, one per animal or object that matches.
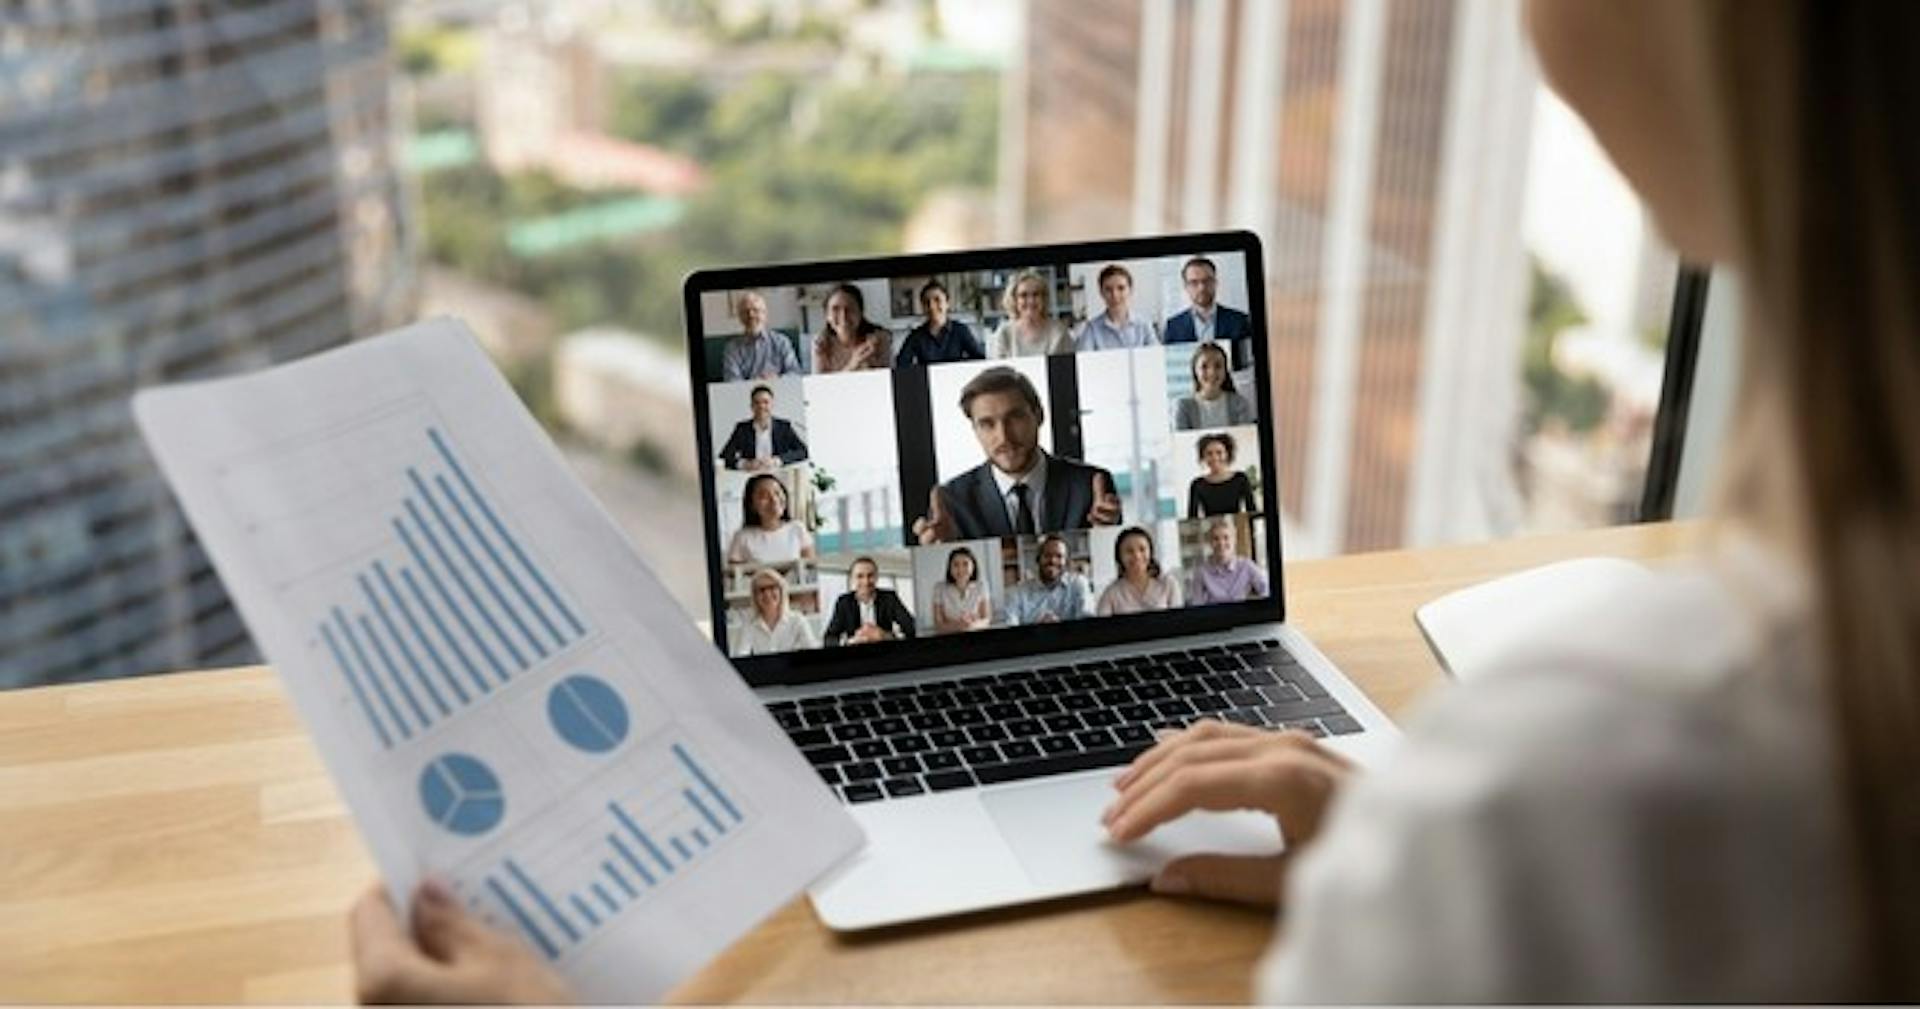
(926, 460)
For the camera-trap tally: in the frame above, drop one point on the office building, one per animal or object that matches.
(186, 190)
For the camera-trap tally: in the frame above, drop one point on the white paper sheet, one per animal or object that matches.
(504, 694)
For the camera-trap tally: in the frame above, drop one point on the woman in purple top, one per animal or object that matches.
(1225, 577)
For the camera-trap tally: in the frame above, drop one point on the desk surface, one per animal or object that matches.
(174, 839)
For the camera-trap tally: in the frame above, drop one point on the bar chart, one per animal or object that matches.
(643, 843)
(450, 609)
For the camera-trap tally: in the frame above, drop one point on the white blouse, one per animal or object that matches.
(791, 631)
(952, 604)
(781, 544)
(1639, 805)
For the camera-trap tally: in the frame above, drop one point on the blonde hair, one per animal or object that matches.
(1023, 277)
(1821, 171)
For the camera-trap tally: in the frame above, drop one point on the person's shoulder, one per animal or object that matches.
(966, 479)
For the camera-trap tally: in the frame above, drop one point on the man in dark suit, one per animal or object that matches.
(868, 613)
(763, 441)
(1020, 490)
(1206, 319)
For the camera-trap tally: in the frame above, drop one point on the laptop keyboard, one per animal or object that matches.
(898, 742)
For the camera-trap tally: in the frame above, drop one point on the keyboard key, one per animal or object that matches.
(1011, 692)
(936, 700)
(1244, 647)
(898, 706)
(900, 691)
(977, 755)
(1173, 709)
(1341, 725)
(902, 787)
(1093, 664)
(1209, 703)
(859, 711)
(1063, 764)
(820, 716)
(871, 749)
(928, 721)
(788, 719)
(911, 744)
(1152, 692)
(821, 701)
(1041, 706)
(1304, 709)
(1134, 735)
(946, 781)
(861, 793)
(948, 738)
(1208, 650)
(824, 756)
(1157, 674)
(962, 717)
(1054, 746)
(1136, 712)
(972, 696)
(862, 772)
(1244, 698)
(1244, 716)
(1020, 749)
(829, 775)
(1094, 739)
(1078, 702)
(1188, 687)
(1224, 663)
(1083, 681)
(1304, 682)
(1021, 728)
(1100, 719)
(1189, 667)
(941, 760)
(858, 696)
(804, 738)
(987, 733)
(896, 766)
(1282, 693)
(1119, 678)
(983, 680)
(1057, 724)
(850, 732)
(783, 705)
(1258, 677)
(1113, 696)
(889, 726)
(1222, 682)
(1001, 711)
(1043, 687)
(1307, 725)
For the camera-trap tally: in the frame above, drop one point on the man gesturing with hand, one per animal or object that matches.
(1019, 490)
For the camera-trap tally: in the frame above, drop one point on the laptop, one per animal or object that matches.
(978, 525)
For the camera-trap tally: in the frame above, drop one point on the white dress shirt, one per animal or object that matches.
(1641, 804)
(763, 441)
(1036, 481)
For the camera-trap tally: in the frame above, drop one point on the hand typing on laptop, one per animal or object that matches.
(1221, 766)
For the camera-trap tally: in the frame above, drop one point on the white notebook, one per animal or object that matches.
(1472, 627)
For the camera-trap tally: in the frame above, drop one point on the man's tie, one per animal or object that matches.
(1023, 512)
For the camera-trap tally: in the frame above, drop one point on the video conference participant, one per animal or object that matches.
(758, 352)
(768, 534)
(1053, 594)
(762, 441)
(1140, 586)
(850, 342)
(869, 612)
(960, 601)
(1205, 320)
(1225, 576)
(1115, 328)
(1019, 489)
(1214, 402)
(1030, 329)
(941, 338)
(774, 627)
(1221, 490)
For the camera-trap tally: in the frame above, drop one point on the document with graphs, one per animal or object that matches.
(502, 691)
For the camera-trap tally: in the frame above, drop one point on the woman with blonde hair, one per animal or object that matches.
(773, 627)
(1705, 789)
(1031, 328)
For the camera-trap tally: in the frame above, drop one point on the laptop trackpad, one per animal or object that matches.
(1054, 830)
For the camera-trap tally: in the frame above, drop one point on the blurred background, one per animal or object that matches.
(1468, 308)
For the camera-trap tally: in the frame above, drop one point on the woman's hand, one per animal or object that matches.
(451, 957)
(1220, 766)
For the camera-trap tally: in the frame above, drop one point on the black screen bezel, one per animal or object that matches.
(830, 663)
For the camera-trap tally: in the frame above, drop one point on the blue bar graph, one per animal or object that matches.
(688, 820)
(454, 606)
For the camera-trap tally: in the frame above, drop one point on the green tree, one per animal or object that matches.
(1579, 402)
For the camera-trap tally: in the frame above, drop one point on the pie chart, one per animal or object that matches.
(587, 713)
(461, 794)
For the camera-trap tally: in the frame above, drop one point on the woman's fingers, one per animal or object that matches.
(1204, 729)
(445, 930)
(1187, 754)
(1243, 879)
(387, 966)
(1291, 784)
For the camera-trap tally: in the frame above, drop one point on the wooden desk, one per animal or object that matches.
(173, 839)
